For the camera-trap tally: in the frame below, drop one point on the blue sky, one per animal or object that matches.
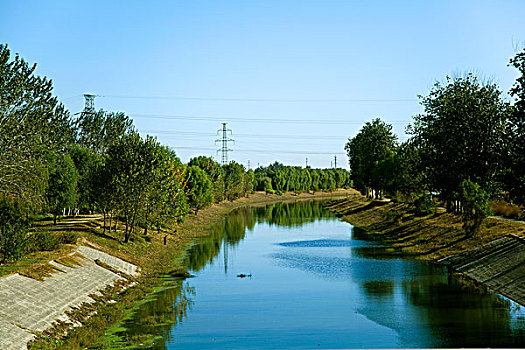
(293, 79)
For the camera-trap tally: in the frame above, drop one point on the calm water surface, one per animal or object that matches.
(316, 282)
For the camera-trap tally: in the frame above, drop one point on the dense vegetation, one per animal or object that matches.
(99, 163)
(468, 147)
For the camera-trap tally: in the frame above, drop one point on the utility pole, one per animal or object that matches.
(335, 162)
(248, 164)
(306, 166)
(224, 143)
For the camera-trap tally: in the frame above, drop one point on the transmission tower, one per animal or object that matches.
(224, 143)
(89, 105)
(335, 162)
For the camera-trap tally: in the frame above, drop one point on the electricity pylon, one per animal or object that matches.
(224, 143)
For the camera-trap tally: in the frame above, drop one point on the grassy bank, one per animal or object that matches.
(430, 237)
(155, 259)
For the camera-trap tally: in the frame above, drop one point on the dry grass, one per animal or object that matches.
(508, 210)
(429, 238)
(40, 271)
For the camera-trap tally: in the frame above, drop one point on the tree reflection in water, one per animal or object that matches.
(232, 229)
(155, 318)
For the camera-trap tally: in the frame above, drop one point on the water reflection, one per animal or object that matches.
(321, 285)
(154, 318)
(231, 230)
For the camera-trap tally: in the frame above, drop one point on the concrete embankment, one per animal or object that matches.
(494, 257)
(30, 305)
(499, 265)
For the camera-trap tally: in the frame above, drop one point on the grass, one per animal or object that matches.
(155, 260)
(431, 237)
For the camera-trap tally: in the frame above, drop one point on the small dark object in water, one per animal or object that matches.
(180, 274)
(242, 275)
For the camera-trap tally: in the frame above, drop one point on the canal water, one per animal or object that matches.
(294, 276)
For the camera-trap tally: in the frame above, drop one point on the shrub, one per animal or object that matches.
(13, 230)
(44, 241)
(506, 209)
(423, 205)
(475, 203)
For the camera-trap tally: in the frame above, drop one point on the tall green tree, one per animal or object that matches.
(215, 173)
(33, 125)
(462, 134)
(233, 180)
(516, 178)
(374, 142)
(62, 190)
(199, 188)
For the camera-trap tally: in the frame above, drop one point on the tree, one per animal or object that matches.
(215, 174)
(99, 130)
(475, 205)
(516, 180)
(374, 142)
(462, 135)
(199, 189)
(233, 180)
(62, 190)
(86, 161)
(13, 229)
(33, 125)
(249, 182)
(130, 167)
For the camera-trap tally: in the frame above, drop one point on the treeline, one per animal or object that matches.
(279, 178)
(97, 162)
(466, 148)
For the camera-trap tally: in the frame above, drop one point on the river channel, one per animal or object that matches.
(293, 275)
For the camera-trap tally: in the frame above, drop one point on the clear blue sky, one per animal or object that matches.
(293, 79)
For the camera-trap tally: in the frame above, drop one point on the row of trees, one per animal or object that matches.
(468, 145)
(282, 178)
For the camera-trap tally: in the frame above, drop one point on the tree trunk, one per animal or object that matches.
(146, 227)
(110, 220)
(104, 229)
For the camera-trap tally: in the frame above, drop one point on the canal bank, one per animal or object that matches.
(494, 257)
(156, 261)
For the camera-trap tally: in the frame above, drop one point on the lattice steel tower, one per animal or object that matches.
(224, 143)
(89, 105)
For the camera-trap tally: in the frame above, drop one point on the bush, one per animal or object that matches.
(44, 241)
(475, 203)
(423, 205)
(506, 209)
(13, 230)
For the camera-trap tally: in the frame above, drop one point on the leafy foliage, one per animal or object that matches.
(375, 142)
(475, 202)
(198, 188)
(13, 229)
(462, 134)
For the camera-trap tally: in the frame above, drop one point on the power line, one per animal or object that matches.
(255, 150)
(195, 133)
(286, 100)
(260, 120)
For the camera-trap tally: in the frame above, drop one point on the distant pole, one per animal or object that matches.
(224, 143)
(335, 162)
(248, 164)
(306, 166)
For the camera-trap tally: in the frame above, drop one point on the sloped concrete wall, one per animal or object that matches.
(27, 304)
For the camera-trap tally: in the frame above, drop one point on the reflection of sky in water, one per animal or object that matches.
(312, 287)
